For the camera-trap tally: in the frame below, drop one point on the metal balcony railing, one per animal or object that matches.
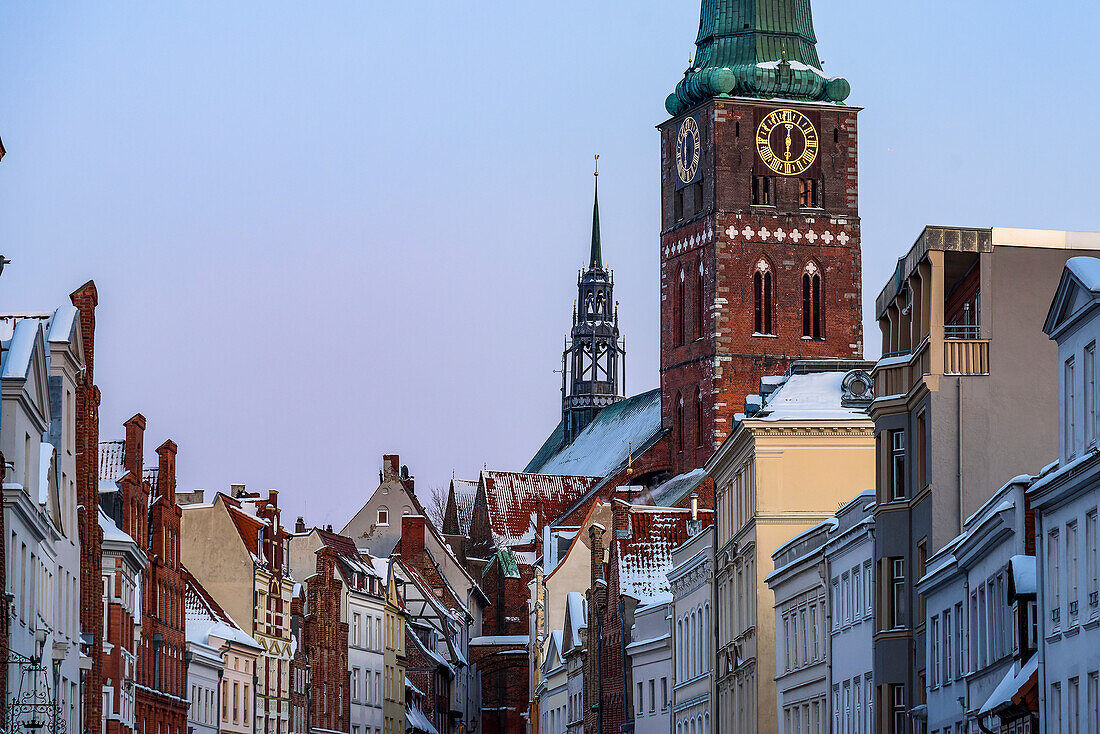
(962, 331)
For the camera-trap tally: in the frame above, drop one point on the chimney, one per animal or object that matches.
(236, 490)
(328, 528)
(620, 517)
(300, 525)
(166, 472)
(695, 507)
(135, 433)
(86, 298)
(273, 498)
(391, 464)
(412, 536)
(595, 533)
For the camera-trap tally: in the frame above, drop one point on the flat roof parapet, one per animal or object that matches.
(933, 237)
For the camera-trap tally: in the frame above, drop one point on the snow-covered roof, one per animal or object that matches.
(112, 465)
(62, 323)
(205, 618)
(17, 358)
(465, 492)
(813, 396)
(645, 554)
(416, 721)
(1087, 270)
(517, 501)
(577, 612)
(112, 531)
(1010, 685)
(672, 491)
(602, 447)
(1023, 574)
(499, 640)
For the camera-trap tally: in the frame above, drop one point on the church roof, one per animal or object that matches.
(465, 492)
(755, 48)
(629, 425)
(515, 500)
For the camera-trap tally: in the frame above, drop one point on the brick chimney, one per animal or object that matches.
(391, 468)
(620, 514)
(412, 536)
(595, 534)
(166, 472)
(300, 525)
(135, 436)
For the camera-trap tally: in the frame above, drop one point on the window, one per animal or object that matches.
(934, 651)
(1073, 706)
(809, 193)
(383, 517)
(811, 302)
(700, 304)
(897, 465)
(681, 308)
(1091, 559)
(1054, 577)
(679, 422)
(897, 586)
(1070, 409)
(898, 710)
(947, 644)
(640, 707)
(1092, 714)
(664, 694)
(697, 195)
(1071, 570)
(652, 695)
(762, 190)
(1090, 394)
(678, 205)
(762, 297)
(700, 427)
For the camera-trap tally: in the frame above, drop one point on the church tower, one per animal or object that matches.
(593, 355)
(760, 238)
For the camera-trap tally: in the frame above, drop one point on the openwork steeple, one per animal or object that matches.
(593, 356)
(755, 48)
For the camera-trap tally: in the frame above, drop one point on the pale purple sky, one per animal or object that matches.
(326, 231)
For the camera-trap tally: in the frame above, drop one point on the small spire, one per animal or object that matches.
(596, 262)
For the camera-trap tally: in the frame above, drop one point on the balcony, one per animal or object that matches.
(965, 356)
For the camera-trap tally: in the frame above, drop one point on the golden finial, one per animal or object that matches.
(597, 173)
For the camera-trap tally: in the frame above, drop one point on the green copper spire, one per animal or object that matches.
(596, 262)
(756, 48)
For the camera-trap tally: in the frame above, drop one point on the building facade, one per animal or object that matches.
(1066, 502)
(691, 585)
(650, 654)
(961, 323)
(808, 429)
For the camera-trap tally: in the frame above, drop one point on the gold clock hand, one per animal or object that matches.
(788, 153)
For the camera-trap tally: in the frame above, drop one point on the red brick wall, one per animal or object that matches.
(326, 641)
(85, 299)
(720, 357)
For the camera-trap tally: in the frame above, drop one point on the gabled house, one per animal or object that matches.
(376, 526)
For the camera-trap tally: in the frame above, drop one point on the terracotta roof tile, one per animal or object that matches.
(645, 556)
(515, 499)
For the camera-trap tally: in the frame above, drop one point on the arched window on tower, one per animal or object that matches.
(679, 420)
(811, 302)
(700, 426)
(700, 308)
(681, 309)
(762, 297)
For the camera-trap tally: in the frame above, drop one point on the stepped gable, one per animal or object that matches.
(519, 502)
(111, 460)
(626, 428)
(645, 552)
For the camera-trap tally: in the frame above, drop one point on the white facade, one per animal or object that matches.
(43, 355)
(365, 613)
(972, 639)
(650, 652)
(1066, 504)
(553, 690)
(690, 580)
(849, 551)
(801, 674)
(204, 672)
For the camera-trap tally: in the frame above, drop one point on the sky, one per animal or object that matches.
(326, 231)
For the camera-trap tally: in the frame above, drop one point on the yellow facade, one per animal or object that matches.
(773, 479)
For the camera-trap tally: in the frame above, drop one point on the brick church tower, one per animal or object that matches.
(760, 239)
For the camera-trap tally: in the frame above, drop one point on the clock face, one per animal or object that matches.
(787, 142)
(687, 150)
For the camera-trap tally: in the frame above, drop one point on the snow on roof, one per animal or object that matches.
(813, 396)
(516, 500)
(602, 447)
(465, 493)
(416, 721)
(17, 358)
(1011, 684)
(1023, 574)
(409, 685)
(112, 531)
(111, 460)
(510, 640)
(62, 323)
(1087, 270)
(645, 555)
(577, 611)
(206, 618)
(671, 492)
(151, 474)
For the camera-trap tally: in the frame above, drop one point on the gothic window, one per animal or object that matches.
(762, 190)
(681, 309)
(809, 193)
(700, 428)
(762, 297)
(699, 305)
(679, 427)
(811, 302)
